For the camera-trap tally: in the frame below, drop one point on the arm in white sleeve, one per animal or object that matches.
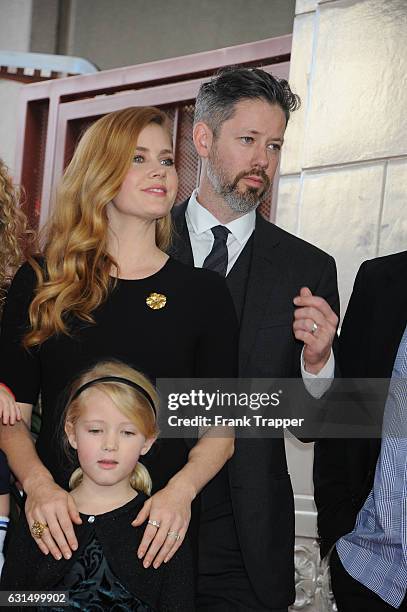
(318, 384)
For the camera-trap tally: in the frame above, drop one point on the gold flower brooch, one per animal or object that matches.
(155, 301)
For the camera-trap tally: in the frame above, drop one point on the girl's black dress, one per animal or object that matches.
(104, 574)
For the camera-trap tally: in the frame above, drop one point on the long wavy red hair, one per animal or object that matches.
(76, 276)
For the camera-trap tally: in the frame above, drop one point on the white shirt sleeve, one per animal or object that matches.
(318, 384)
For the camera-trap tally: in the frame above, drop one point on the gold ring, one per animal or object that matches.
(174, 534)
(37, 529)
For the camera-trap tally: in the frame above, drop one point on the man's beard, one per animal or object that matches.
(238, 201)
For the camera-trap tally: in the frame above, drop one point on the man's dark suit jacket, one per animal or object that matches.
(261, 491)
(371, 333)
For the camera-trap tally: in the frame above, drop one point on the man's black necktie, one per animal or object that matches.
(218, 257)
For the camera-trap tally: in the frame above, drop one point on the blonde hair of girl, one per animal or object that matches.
(77, 276)
(128, 400)
(13, 230)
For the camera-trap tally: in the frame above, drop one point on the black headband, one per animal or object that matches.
(119, 379)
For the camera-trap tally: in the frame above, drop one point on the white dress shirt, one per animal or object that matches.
(200, 222)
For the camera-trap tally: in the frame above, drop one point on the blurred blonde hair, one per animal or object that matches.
(14, 234)
(128, 400)
(77, 275)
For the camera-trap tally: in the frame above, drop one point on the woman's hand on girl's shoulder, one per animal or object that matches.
(52, 510)
(9, 410)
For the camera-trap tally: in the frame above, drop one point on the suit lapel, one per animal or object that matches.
(394, 309)
(387, 337)
(181, 244)
(264, 277)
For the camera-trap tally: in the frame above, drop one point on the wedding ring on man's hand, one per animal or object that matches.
(154, 524)
(314, 327)
(174, 534)
(37, 529)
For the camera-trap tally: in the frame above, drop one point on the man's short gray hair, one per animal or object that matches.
(217, 98)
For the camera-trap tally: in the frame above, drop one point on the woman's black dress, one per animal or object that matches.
(194, 335)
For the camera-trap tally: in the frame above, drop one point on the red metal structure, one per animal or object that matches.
(55, 113)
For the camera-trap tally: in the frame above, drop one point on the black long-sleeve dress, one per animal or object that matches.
(193, 335)
(104, 573)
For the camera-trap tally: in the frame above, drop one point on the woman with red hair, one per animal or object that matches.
(106, 289)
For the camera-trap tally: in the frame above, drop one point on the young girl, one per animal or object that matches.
(110, 420)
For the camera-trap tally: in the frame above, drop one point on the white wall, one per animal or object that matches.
(343, 175)
(15, 24)
(15, 28)
(134, 31)
(9, 93)
(344, 168)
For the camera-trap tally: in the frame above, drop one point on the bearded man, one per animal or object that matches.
(246, 557)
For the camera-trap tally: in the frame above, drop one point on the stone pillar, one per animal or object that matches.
(343, 176)
(344, 167)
